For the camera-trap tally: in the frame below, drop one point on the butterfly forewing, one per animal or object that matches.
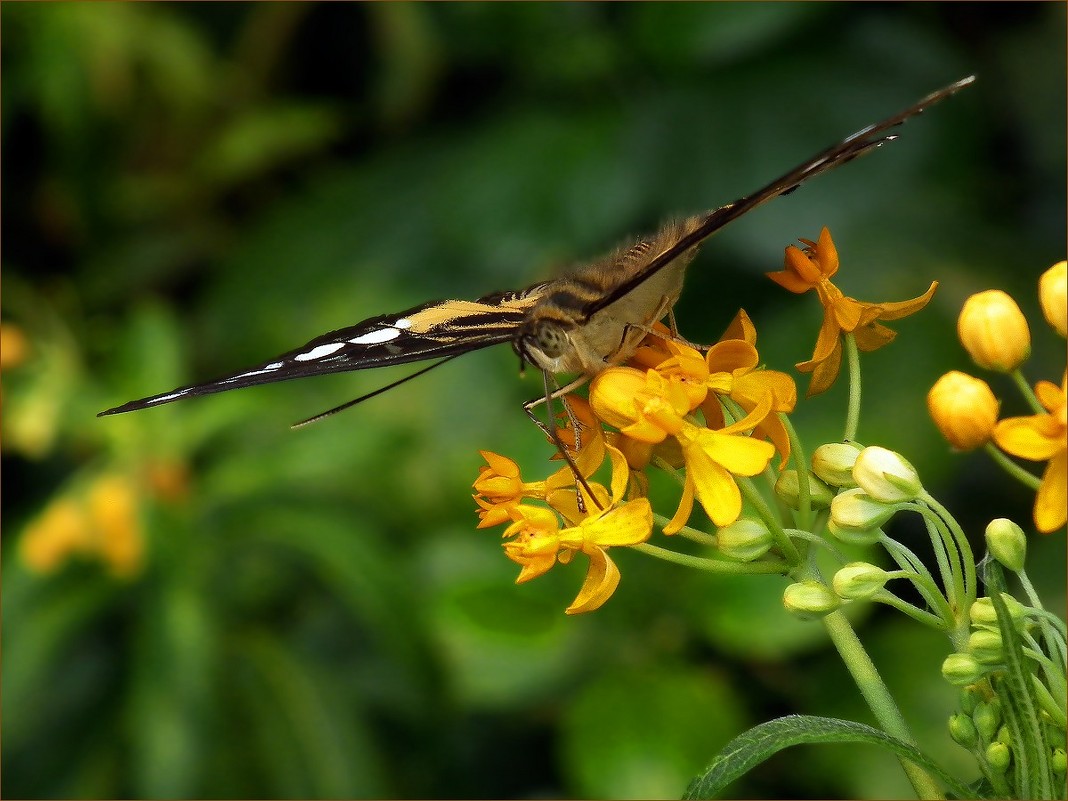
(432, 330)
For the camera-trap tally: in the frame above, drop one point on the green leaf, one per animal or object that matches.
(748, 750)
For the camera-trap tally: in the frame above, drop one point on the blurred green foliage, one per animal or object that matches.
(192, 188)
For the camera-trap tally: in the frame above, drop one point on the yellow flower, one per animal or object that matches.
(812, 268)
(732, 365)
(728, 369)
(112, 505)
(1042, 437)
(104, 523)
(536, 542)
(63, 529)
(650, 408)
(994, 331)
(1053, 294)
(964, 409)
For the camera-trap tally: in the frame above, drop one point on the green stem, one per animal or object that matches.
(920, 616)
(690, 533)
(797, 451)
(1026, 391)
(711, 565)
(1025, 477)
(878, 697)
(853, 410)
(756, 500)
(971, 586)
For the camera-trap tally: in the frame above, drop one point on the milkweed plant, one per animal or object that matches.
(718, 422)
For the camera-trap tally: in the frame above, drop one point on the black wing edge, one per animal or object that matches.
(287, 366)
(857, 144)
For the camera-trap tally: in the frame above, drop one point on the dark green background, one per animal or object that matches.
(190, 189)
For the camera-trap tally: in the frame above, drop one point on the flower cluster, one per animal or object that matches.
(712, 414)
(995, 333)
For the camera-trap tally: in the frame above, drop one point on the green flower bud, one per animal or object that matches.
(987, 718)
(969, 698)
(886, 476)
(986, 647)
(855, 510)
(1059, 761)
(787, 487)
(1004, 736)
(961, 669)
(833, 463)
(859, 581)
(999, 756)
(1007, 543)
(744, 540)
(962, 730)
(809, 599)
(854, 537)
(983, 614)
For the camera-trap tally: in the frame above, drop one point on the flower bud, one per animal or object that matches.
(855, 510)
(961, 669)
(1053, 295)
(809, 599)
(744, 540)
(833, 462)
(969, 699)
(850, 537)
(994, 331)
(859, 580)
(987, 719)
(962, 730)
(986, 647)
(984, 615)
(1004, 735)
(1007, 543)
(998, 756)
(964, 409)
(1059, 761)
(787, 487)
(886, 476)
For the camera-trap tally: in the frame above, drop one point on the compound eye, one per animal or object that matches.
(551, 339)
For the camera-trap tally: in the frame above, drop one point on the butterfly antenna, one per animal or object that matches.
(369, 395)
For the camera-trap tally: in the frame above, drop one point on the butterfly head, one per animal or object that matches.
(544, 339)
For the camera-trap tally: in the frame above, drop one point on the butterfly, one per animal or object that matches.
(576, 324)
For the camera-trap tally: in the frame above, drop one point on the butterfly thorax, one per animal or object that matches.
(559, 334)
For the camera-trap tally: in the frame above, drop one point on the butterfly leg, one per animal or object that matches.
(559, 393)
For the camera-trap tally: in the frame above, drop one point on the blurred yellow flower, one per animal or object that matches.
(812, 267)
(1053, 294)
(964, 409)
(1043, 437)
(994, 331)
(104, 523)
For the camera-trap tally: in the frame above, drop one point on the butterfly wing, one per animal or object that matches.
(851, 147)
(432, 330)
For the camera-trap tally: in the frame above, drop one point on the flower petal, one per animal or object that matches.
(628, 524)
(714, 487)
(602, 578)
(1036, 437)
(1051, 502)
(903, 308)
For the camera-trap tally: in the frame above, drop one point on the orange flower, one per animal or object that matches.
(1042, 437)
(536, 542)
(812, 268)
